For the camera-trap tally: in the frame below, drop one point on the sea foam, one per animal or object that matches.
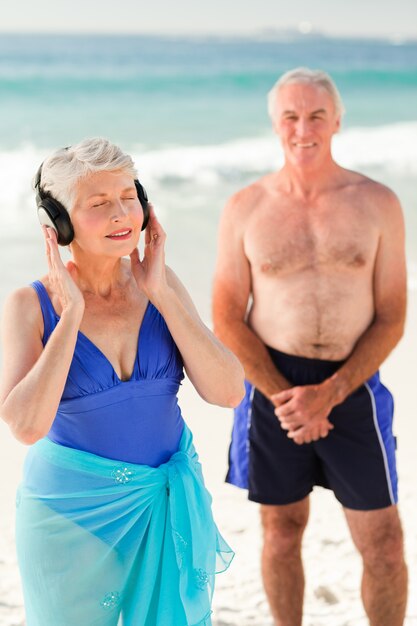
(392, 148)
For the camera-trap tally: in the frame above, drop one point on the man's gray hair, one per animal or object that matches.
(306, 76)
(65, 168)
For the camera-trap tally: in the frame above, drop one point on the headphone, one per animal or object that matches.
(52, 213)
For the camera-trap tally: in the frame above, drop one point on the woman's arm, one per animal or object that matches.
(33, 377)
(214, 371)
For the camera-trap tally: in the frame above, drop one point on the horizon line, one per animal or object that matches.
(267, 34)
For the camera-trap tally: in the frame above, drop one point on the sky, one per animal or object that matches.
(395, 19)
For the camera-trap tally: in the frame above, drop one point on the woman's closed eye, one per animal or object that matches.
(104, 202)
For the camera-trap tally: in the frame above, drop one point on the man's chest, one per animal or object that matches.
(288, 240)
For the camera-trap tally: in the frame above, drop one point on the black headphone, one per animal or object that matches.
(53, 213)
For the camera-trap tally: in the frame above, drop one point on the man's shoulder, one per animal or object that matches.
(370, 189)
(245, 200)
(373, 199)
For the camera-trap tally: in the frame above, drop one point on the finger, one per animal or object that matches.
(153, 222)
(49, 244)
(325, 428)
(152, 215)
(300, 435)
(157, 234)
(48, 255)
(315, 434)
(134, 257)
(45, 230)
(286, 410)
(303, 435)
(300, 439)
(291, 421)
(147, 235)
(52, 234)
(290, 427)
(54, 250)
(296, 433)
(282, 396)
(148, 225)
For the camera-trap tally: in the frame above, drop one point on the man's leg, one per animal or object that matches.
(379, 539)
(282, 568)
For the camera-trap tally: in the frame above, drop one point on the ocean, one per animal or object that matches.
(192, 112)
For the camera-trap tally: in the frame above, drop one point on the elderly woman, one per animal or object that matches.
(114, 523)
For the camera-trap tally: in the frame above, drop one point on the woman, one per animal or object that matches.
(113, 519)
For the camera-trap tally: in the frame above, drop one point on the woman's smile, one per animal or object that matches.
(120, 234)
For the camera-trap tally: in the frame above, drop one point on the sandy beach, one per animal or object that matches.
(331, 563)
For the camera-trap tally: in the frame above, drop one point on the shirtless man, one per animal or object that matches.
(317, 252)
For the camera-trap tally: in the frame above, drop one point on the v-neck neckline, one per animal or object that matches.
(101, 353)
(97, 349)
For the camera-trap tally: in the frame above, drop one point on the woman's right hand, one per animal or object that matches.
(61, 276)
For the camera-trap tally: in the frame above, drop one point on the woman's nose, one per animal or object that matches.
(119, 210)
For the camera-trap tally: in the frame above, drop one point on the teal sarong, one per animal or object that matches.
(103, 542)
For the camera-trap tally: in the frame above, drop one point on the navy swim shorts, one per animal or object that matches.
(356, 460)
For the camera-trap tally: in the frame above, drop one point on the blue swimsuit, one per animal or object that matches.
(113, 522)
(139, 420)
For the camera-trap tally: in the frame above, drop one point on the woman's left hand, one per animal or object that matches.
(150, 272)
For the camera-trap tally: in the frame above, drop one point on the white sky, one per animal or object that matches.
(386, 18)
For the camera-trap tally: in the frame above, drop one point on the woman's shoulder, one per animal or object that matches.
(23, 297)
(174, 281)
(22, 307)
(172, 278)
(178, 287)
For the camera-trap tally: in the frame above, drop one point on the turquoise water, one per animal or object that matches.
(155, 91)
(192, 112)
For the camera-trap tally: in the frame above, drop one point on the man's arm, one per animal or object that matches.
(231, 292)
(301, 405)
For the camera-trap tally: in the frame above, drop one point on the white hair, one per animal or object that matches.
(65, 168)
(305, 75)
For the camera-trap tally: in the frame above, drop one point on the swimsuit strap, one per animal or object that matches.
(49, 315)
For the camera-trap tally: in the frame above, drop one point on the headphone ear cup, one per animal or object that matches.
(52, 213)
(143, 199)
(145, 216)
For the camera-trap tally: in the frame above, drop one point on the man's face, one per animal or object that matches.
(305, 120)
